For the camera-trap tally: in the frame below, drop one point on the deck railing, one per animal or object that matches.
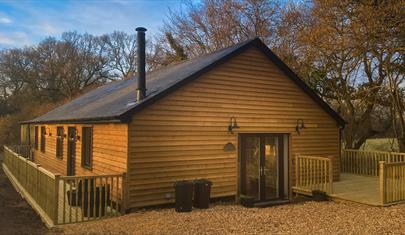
(65, 199)
(392, 182)
(367, 162)
(22, 150)
(86, 198)
(313, 173)
(34, 182)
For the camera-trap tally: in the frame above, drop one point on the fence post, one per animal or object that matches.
(296, 170)
(124, 193)
(56, 198)
(37, 181)
(26, 172)
(382, 182)
(330, 176)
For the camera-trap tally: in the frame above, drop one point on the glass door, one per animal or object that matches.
(262, 166)
(272, 163)
(251, 165)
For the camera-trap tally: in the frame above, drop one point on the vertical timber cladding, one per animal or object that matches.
(182, 135)
(110, 148)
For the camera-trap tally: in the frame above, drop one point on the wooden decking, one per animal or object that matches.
(357, 188)
(372, 178)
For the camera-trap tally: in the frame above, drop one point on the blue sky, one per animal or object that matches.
(24, 22)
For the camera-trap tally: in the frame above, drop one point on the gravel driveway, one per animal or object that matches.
(301, 218)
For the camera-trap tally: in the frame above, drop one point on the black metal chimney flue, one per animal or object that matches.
(140, 64)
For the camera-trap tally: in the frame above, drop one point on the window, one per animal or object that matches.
(36, 138)
(43, 139)
(59, 142)
(87, 147)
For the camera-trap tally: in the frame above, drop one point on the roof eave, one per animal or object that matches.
(76, 121)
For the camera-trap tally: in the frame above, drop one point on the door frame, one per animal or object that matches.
(284, 144)
(71, 151)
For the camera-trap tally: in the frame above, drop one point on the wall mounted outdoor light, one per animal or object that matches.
(300, 126)
(232, 125)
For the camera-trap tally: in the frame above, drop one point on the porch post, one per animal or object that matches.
(330, 175)
(56, 200)
(296, 170)
(383, 177)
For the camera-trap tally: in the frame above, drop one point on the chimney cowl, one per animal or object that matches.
(141, 29)
(140, 64)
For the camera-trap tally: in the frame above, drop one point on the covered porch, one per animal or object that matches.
(372, 178)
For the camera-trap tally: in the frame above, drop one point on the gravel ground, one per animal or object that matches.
(301, 218)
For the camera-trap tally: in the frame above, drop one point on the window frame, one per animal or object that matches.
(59, 141)
(43, 139)
(36, 138)
(87, 164)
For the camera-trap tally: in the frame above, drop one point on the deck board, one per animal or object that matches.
(357, 188)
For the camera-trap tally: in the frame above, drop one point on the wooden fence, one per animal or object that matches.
(313, 173)
(22, 150)
(65, 199)
(86, 198)
(367, 162)
(392, 182)
(34, 182)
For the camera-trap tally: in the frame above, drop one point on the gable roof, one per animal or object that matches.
(116, 101)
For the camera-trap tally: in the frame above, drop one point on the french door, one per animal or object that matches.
(262, 161)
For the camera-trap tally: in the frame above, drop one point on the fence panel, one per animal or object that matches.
(85, 198)
(36, 183)
(313, 173)
(66, 199)
(22, 150)
(367, 162)
(392, 182)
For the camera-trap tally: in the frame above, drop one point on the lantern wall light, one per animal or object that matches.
(232, 125)
(300, 126)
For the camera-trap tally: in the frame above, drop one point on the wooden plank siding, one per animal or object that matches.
(182, 135)
(110, 148)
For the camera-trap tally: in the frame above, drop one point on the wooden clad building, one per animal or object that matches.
(237, 117)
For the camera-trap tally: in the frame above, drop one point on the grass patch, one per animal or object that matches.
(380, 144)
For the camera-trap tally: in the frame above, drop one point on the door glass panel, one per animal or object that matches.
(251, 153)
(271, 174)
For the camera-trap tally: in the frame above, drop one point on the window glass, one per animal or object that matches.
(43, 133)
(59, 141)
(87, 147)
(36, 138)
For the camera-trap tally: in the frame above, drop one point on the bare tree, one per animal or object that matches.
(121, 51)
(211, 25)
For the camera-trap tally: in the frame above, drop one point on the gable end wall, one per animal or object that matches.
(182, 135)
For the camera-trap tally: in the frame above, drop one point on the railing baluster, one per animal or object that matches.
(70, 200)
(117, 193)
(77, 200)
(64, 201)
